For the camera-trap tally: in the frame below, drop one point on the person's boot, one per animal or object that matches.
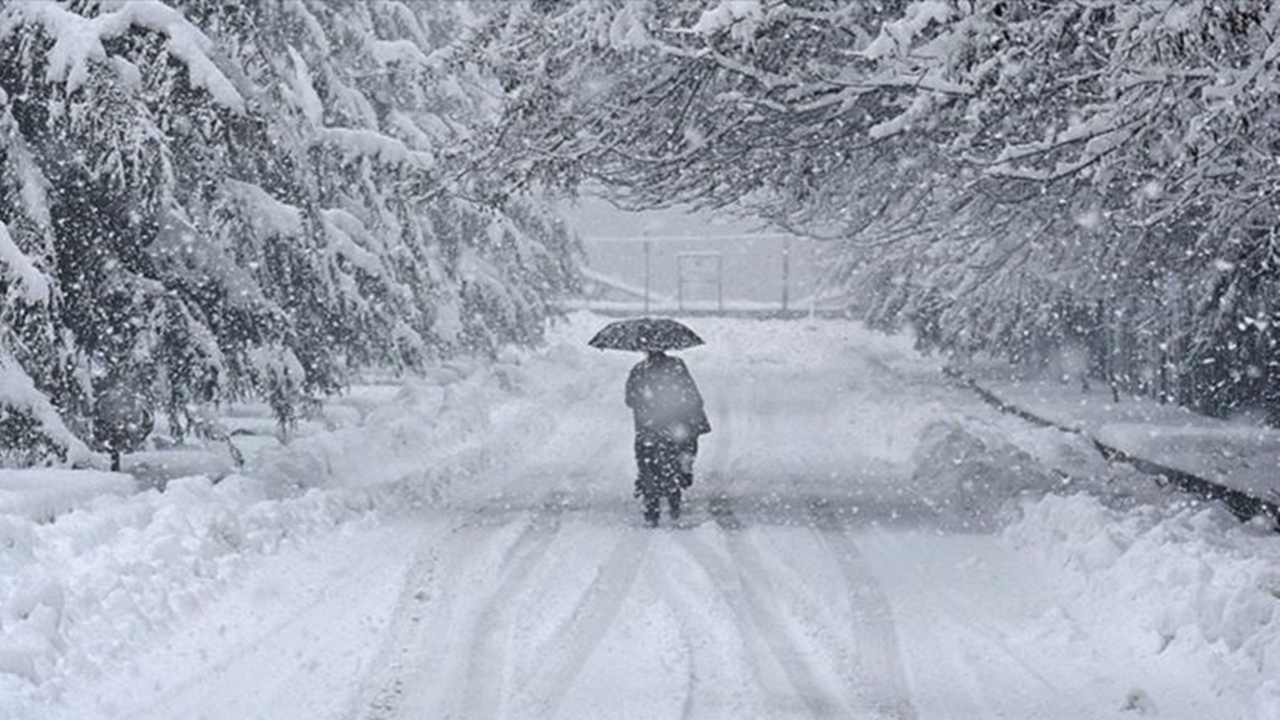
(673, 501)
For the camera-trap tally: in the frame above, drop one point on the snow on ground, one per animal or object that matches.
(864, 540)
(83, 594)
(41, 494)
(1204, 590)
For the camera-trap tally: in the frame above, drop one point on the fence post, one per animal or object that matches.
(647, 244)
(720, 283)
(786, 272)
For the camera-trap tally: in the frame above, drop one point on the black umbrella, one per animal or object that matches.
(645, 334)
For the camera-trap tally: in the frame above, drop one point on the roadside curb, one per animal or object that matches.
(1243, 505)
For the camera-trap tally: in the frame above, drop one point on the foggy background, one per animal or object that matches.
(752, 257)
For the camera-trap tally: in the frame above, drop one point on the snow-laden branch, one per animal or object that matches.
(18, 390)
(25, 280)
(78, 42)
(357, 143)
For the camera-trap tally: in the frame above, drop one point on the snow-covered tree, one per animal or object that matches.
(1014, 174)
(37, 354)
(205, 201)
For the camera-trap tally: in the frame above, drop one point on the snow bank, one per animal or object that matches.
(1235, 455)
(1195, 589)
(42, 494)
(79, 592)
(436, 434)
(975, 475)
(82, 592)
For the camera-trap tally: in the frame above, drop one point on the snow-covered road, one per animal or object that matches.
(845, 553)
(554, 601)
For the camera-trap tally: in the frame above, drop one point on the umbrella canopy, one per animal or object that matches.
(645, 334)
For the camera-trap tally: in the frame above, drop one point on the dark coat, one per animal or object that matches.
(665, 400)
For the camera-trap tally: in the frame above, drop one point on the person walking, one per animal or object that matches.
(669, 419)
(666, 405)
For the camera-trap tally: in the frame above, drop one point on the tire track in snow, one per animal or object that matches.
(879, 655)
(596, 611)
(482, 678)
(746, 587)
(406, 670)
(877, 661)
(877, 665)
(873, 666)
(671, 594)
(745, 583)
(473, 687)
(380, 700)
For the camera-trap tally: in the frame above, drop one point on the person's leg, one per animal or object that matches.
(649, 462)
(667, 465)
(644, 463)
(652, 509)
